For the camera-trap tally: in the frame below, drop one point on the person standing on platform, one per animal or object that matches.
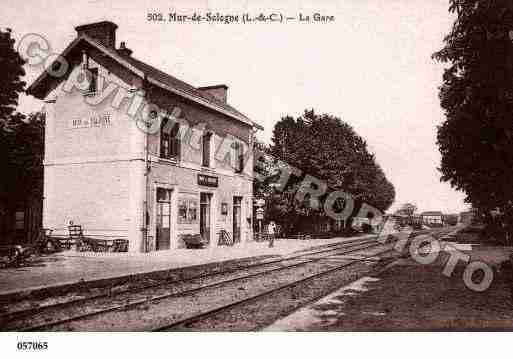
(271, 229)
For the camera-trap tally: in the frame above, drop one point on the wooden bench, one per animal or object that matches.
(120, 245)
(194, 240)
(75, 237)
(84, 244)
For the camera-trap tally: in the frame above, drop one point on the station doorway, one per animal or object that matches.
(237, 218)
(163, 219)
(205, 217)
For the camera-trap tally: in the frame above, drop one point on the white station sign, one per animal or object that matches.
(94, 121)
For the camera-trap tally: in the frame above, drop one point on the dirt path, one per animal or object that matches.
(407, 296)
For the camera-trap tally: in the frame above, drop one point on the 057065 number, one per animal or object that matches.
(32, 345)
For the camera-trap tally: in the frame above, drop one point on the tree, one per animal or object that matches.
(262, 170)
(22, 163)
(21, 139)
(11, 84)
(477, 98)
(26, 156)
(329, 149)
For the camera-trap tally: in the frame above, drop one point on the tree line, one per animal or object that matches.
(323, 146)
(21, 136)
(475, 139)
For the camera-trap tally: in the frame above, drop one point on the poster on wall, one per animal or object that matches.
(187, 210)
(224, 212)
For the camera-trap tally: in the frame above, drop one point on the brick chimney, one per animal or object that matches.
(123, 50)
(104, 32)
(220, 92)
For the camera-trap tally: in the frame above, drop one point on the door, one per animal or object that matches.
(237, 217)
(163, 219)
(205, 199)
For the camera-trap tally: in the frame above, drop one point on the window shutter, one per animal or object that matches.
(176, 141)
(94, 80)
(206, 149)
(238, 160)
(164, 140)
(235, 155)
(241, 157)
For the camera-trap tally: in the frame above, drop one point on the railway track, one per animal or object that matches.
(60, 314)
(196, 319)
(9, 321)
(108, 293)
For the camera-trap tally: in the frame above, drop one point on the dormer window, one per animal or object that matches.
(206, 143)
(93, 81)
(170, 140)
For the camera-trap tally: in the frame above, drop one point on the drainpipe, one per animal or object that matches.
(144, 228)
(251, 225)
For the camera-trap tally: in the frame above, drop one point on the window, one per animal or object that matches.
(170, 140)
(182, 211)
(94, 80)
(19, 220)
(175, 141)
(192, 211)
(207, 138)
(187, 211)
(165, 145)
(163, 195)
(238, 154)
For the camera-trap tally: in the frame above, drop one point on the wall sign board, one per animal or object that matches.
(103, 120)
(208, 181)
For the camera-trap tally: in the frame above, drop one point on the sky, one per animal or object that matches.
(371, 67)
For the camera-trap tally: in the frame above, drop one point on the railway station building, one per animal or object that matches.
(132, 152)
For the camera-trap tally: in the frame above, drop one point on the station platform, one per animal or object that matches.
(68, 269)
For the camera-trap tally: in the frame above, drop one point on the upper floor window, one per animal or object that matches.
(169, 140)
(238, 155)
(206, 143)
(93, 83)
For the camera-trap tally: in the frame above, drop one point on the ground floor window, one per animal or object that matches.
(187, 210)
